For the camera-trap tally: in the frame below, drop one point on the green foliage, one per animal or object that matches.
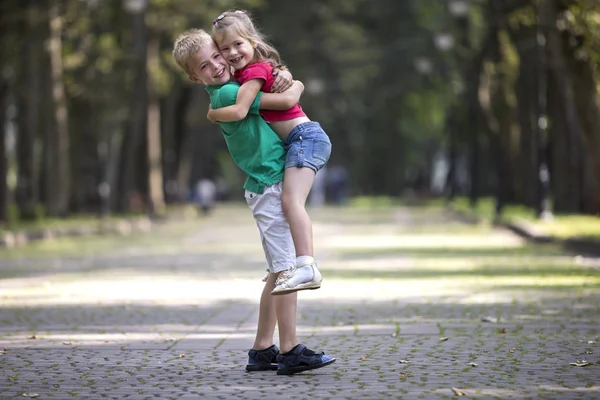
(385, 117)
(583, 18)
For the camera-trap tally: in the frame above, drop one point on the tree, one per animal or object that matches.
(57, 171)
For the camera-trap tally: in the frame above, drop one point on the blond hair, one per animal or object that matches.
(243, 25)
(189, 43)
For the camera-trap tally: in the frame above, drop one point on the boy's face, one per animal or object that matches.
(209, 67)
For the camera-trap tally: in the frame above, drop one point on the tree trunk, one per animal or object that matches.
(155, 173)
(525, 90)
(3, 105)
(30, 87)
(492, 130)
(58, 173)
(572, 125)
(587, 103)
(3, 164)
(198, 141)
(137, 121)
(544, 20)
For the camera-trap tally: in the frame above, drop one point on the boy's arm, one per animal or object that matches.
(238, 111)
(283, 80)
(282, 101)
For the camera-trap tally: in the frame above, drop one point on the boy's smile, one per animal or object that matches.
(209, 67)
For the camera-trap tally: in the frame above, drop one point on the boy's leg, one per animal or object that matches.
(267, 317)
(286, 307)
(263, 356)
(279, 251)
(294, 357)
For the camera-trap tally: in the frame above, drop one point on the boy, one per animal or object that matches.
(259, 152)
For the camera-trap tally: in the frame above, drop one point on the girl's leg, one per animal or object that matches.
(297, 183)
(267, 317)
(296, 186)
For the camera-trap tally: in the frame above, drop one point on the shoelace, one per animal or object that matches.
(285, 276)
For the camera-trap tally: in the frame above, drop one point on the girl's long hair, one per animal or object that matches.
(242, 23)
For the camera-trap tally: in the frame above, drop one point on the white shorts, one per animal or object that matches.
(273, 226)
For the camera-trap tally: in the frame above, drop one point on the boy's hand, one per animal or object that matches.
(209, 115)
(283, 81)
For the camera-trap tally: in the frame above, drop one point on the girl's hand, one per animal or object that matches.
(283, 81)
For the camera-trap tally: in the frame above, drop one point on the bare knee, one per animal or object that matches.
(288, 203)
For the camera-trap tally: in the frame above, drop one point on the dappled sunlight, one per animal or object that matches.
(183, 304)
(374, 241)
(478, 390)
(186, 290)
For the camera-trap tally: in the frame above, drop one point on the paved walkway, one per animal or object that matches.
(412, 305)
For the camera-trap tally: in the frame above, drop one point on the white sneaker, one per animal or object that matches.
(306, 277)
(266, 277)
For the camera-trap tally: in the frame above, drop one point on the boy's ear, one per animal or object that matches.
(194, 79)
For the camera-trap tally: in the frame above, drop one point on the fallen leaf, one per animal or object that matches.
(394, 334)
(503, 330)
(181, 355)
(473, 364)
(443, 339)
(31, 395)
(32, 337)
(591, 342)
(491, 320)
(589, 352)
(580, 363)
(2, 351)
(512, 350)
(66, 343)
(458, 392)
(363, 358)
(401, 374)
(403, 362)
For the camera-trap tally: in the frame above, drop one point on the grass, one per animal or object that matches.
(73, 221)
(55, 223)
(561, 226)
(569, 226)
(486, 209)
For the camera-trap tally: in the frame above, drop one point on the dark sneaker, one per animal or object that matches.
(300, 358)
(263, 360)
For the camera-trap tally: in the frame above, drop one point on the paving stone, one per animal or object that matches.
(413, 304)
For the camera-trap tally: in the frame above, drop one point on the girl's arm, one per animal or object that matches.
(282, 101)
(238, 111)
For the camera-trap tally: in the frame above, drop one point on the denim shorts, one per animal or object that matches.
(307, 146)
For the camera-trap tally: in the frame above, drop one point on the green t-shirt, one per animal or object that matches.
(253, 145)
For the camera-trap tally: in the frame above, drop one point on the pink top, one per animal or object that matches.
(264, 71)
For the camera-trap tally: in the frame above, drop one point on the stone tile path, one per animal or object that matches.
(413, 305)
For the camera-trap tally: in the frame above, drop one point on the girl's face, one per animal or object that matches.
(237, 50)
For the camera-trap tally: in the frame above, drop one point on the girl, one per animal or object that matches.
(308, 146)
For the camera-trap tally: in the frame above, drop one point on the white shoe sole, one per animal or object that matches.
(302, 286)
